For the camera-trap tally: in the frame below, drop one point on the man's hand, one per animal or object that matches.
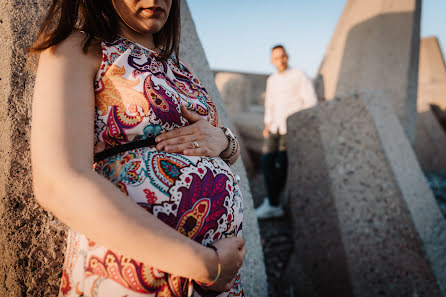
(266, 130)
(198, 139)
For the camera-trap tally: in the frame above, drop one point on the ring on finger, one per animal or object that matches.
(196, 145)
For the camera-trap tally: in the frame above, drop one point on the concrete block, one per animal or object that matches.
(240, 90)
(430, 144)
(431, 75)
(250, 127)
(375, 46)
(365, 221)
(32, 241)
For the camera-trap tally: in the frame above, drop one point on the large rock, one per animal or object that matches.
(240, 90)
(250, 128)
(431, 75)
(253, 270)
(32, 241)
(430, 144)
(375, 46)
(366, 222)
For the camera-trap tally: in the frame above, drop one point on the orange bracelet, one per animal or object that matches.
(218, 270)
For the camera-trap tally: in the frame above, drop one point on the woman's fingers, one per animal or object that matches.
(202, 151)
(243, 253)
(177, 144)
(191, 116)
(189, 145)
(240, 242)
(209, 141)
(183, 131)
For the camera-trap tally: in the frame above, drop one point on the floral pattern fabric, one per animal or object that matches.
(138, 96)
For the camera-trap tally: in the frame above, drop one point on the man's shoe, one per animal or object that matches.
(267, 211)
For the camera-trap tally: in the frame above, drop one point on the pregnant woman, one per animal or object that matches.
(127, 150)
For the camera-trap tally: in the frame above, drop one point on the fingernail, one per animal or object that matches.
(158, 139)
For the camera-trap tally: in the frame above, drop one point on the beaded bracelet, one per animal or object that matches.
(235, 146)
(218, 270)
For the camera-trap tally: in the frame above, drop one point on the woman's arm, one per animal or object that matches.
(65, 184)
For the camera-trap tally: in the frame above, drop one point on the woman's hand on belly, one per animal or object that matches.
(198, 139)
(231, 252)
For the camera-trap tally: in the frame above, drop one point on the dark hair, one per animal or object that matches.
(99, 19)
(278, 46)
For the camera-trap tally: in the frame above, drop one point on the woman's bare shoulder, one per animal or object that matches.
(70, 52)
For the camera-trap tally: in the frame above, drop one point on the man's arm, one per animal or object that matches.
(268, 110)
(307, 92)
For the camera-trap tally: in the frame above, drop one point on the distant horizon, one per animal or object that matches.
(225, 28)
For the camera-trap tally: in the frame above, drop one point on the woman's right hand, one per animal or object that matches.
(231, 252)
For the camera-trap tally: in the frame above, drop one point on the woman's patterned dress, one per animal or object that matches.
(139, 96)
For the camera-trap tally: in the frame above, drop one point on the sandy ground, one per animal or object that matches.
(276, 239)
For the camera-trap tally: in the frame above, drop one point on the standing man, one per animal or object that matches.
(288, 91)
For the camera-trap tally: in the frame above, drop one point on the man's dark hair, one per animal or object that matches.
(99, 19)
(278, 46)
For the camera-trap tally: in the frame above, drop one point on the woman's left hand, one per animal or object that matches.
(198, 139)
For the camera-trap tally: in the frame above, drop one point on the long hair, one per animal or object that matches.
(99, 19)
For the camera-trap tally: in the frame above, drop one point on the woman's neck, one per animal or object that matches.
(145, 39)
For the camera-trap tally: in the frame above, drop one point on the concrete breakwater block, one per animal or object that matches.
(32, 241)
(365, 221)
(240, 90)
(430, 144)
(250, 126)
(376, 46)
(431, 75)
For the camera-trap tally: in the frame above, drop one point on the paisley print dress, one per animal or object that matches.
(138, 96)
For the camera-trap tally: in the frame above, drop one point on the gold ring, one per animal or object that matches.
(196, 145)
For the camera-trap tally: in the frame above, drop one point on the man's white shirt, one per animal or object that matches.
(286, 93)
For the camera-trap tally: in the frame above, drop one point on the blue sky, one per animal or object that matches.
(237, 35)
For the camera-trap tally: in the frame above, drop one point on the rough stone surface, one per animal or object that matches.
(253, 270)
(240, 90)
(431, 75)
(31, 240)
(375, 46)
(366, 222)
(430, 144)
